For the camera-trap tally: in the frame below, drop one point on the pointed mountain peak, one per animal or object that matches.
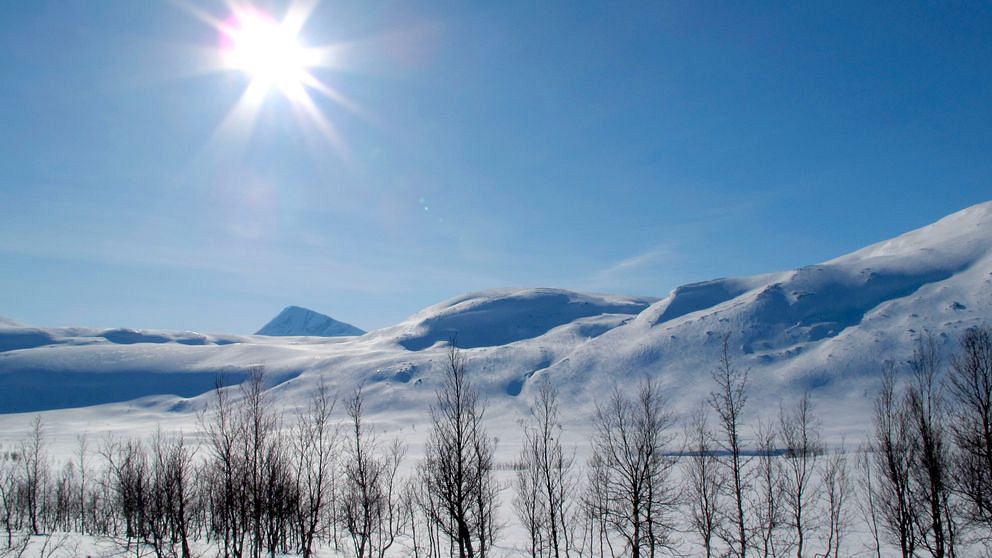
(295, 320)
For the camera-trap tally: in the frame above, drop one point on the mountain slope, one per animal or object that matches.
(825, 327)
(504, 316)
(294, 320)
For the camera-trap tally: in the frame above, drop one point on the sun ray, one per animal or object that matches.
(312, 114)
(269, 52)
(297, 15)
(235, 130)
(199, 13)
(333, 95)
(330, 56)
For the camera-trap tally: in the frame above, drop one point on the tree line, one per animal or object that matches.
(250, 483)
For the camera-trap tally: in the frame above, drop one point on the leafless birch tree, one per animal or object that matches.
(728, 400)
(457, 471)
(630, 444)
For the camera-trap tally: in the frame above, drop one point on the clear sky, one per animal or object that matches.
(612, 147)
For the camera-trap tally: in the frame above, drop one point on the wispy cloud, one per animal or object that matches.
(632, 263)
(630, 272)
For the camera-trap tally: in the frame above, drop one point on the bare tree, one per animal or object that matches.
(128, 471)
(280, 501)
(61, 499)
(527, 502)
(545, 478)
(17, 547)
(867, 465)
(801, 436)
(9, 483)
(728, 401)
(422, 512)
(180, 495)
(82, 464)
(457, 471)
(837, 485)
(156, 518)
(316, 453)
(704, 482)
(970, 387)
(259, 425)
(892, 452)
(225, 472)
(769, 484)
(935, 522)
(596, 507)
(370, 501)
(34, 462)
(630, 444)
(253, 496)
(486, 498)
(169, 497)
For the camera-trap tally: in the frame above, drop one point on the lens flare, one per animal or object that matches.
(270, 53)
(267, 51)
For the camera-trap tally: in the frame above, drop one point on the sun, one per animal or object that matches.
(268, 51)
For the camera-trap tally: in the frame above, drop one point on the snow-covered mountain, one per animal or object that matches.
(297, 321)
(825, 327)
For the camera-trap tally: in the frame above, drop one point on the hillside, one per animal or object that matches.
(825, 327)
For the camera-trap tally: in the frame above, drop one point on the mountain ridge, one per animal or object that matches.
(299, 321)
(827, 327)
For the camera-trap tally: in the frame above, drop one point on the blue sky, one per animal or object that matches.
(614, 148)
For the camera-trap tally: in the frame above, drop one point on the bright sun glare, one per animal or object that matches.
(269, 52)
